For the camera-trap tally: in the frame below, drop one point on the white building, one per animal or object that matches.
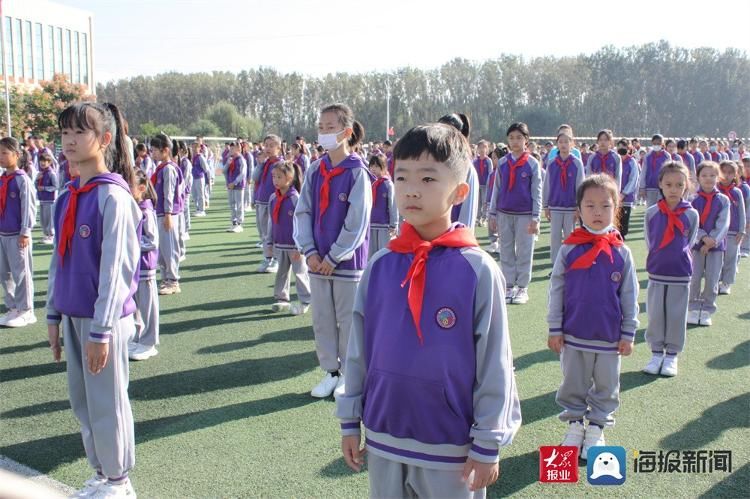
(43, 38)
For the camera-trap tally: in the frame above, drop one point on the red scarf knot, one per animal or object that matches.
(279, 201)
(563, 169)
(69, 219)
(673, 220)
(709, 197)
(327, 175)
(515, 166)
(599, 242)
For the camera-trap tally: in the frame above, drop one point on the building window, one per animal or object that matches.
(18, 48)
(85, 58)
(76, 59)
(59, 68)
(28, 55)
(8, 46)
(38, 52)
(49, 54)
(67, 64)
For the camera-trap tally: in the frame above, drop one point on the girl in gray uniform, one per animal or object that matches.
(670, 228)
(17, 217)
(737, 221)
(96, 222)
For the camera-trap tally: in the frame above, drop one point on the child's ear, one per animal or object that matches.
(461, 193)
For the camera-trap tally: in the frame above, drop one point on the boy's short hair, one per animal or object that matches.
(519, 126)
(45, 156)
(443, 142)
(658, 137)
(682, 144)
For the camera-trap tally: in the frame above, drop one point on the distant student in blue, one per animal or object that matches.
(628, 185)
(670, 228)
(605, 160)
(737, 222)
(384, 215)
(483, 166)
(593, 314)
(46, 193)
(235, 175)
(652, 163)
(429, 365)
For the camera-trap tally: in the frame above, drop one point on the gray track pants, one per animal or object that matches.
(704, 298)
(516, 249)
(379, 239)
(100, 401)
(16, 273)
(169, 250)
(561, 224)
(391, 479)
(45, 218)
(590, 387)
(236, 206)
(301, 279)
(332, 307)
(667, 307)
(147, 313)
(731, 255)
(198, 193)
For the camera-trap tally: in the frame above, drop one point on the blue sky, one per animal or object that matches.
(135, 37)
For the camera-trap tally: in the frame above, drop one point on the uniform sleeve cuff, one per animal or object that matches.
(350, 427)
(53, 318)
(555, 331)
(26, 232)
(100, 337)
(329, 259)
(627, 336)
(484, 452)
(310, 252)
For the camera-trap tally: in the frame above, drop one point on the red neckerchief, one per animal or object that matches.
(154, 177)
(673, 220)
(684, 157)
(409, 241)
(326, 174)
(515, 166)
(727, 191)
(7, 177)
(40, 178)
(375, 186)
(279, 201)
(603, 160)
(232, 166)
(654, 157)
(601, 242)
(482, 165)
(709, 197)
(266, 166)
(69, 219)
(563, 169)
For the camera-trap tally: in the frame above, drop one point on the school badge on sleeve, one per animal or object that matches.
(446, 318)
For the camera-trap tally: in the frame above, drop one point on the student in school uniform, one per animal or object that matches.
(143, 345)
(46, 192)
(263, 190)
(287, 180)
(300, 157)
(17, 218)
(499, 152)
(745, 188)
(605, 160)
(593, 267)
(581, 154)
(200, 174)
(143, 160)
(708, 252)
(686, 158)
(483, 166)
(186, 168)
(713, 152)
(737, 223)
(250, 162)
(235, 174)
(168, 183)
(332, 225)
(695, 153)
(564, 174)
(628, 187)
(670, 228)
(466, 212)
(384, 215)
(96, 231)
(652, 163)
(514, 211)
(431, 380)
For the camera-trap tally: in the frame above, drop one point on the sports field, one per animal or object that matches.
(224, 410)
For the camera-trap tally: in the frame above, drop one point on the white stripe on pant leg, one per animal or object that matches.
(324, 323)
(343, 296)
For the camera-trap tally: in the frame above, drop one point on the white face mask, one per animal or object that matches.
(656, 148)
(329, 141)
(598, 232)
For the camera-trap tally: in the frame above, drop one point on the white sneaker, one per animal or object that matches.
(594, 438)
(273, 267)
(326, 386)
(238, 228)
(259, 244)
(200, 214)
(10, 313)
(29, 317)
(493, 248)
(522, 296)
(182, 258)
(263, 267)
(725, 289)
(143, 352)
(280, 305)
(744, 254)
(112, 491)
(299, 308)
(231, 228)
(654, 365)
(15, 319)
(575, 434)
(340, 387)
(90, 486)
(509, 295)
(186, 236)
(669, 368)
(705, 318)
(694, 317)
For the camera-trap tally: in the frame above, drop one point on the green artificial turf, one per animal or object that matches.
(224, 409)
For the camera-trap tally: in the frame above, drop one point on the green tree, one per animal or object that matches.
(204, 127)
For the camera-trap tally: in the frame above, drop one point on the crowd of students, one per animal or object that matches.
(380, 238)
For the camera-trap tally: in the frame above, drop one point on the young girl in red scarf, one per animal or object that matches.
(384, 215)
(593, 314)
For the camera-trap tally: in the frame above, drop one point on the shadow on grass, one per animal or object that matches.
(532, 358)
(207, 322)
(711, 424)
(735, 485)
(544, 406)
(211, 306)
(31, 371)
(738, 357)
(211, 277)
(297, 334)
(338, 469)
(46, 454)
(33, 410)
(516, 473)
(22, 348)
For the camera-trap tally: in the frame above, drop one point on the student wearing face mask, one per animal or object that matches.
(629, 189)
(652, 163)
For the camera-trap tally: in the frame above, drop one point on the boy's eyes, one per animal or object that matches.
(427, 179)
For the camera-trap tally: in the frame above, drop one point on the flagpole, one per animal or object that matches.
(387, 106)
(5, 69)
